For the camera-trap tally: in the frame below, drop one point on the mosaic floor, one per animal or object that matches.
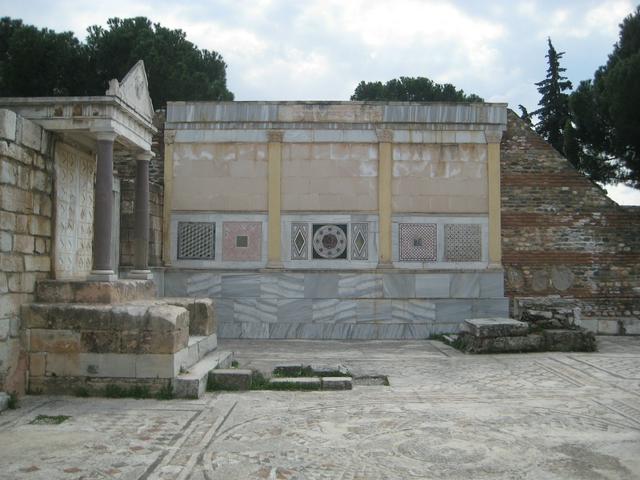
(445, 416)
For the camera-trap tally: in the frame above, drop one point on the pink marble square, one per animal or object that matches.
(241, 241)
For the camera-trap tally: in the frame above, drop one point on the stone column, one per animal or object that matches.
(169, 139)
(274, 198)
(493, 176)
(102, 270)
(141, 232)
(385, 167)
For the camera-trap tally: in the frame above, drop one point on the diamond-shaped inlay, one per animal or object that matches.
(360, 243)
(299, 236)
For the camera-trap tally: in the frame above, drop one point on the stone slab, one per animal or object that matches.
(75, 291)
(520, 344)
(495, 327)
(337, 383)
(569, 340)
(303, 383)
(231, 378)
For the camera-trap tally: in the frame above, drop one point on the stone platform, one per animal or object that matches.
(338, 304)
(87, 335)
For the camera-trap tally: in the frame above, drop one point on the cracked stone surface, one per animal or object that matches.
(445, 416)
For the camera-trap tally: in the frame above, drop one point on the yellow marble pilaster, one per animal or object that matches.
(169, 138)
(493, 176)
(385, 167)
(274, 197)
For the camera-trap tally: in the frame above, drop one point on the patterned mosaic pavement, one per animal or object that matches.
(445, 416)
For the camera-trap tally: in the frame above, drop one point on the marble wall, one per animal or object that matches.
(353, 305)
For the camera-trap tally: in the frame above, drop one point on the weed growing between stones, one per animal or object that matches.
(13, 400)
(235, 364)
(49, 420)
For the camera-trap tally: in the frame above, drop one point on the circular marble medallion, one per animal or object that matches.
(329, 241)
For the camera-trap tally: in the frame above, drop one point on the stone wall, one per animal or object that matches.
(562, 236)
(26, 179)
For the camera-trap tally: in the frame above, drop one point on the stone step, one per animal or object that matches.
(197, 348)
(495, 327)
(77, 291)
(193, 383)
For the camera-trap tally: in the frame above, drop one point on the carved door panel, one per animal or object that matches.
(73, 203)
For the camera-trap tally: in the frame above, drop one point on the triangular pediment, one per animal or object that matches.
(134, 90)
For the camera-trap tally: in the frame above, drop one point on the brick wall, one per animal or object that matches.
(562, 236)
(26, 170)
(126, 171)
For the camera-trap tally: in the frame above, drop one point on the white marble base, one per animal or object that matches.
(102, 276)
(140, 275)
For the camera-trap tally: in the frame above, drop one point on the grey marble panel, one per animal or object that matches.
(282, 285)
(283, 330)
(223, 309)
(440, 328)
(337, 331)
(399, 285)
(175, 284)
(204, 285)
(254, 330)
(374, 311)
(492, 284)
(364, 331)
(321, 285)
(243, 285)
(295, 311)
(465, 285)
(255, 310)
(450, 311)
(311, 331)
(416, 331)
(229, 330)
(412, 311)
(324, 311)
(490, 307)
(359, 285)
(346, 311)
(432, 285)
(393, 331)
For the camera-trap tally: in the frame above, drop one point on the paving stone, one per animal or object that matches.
(495, 327)
(302, 383)
(231, 378)
(337, 383)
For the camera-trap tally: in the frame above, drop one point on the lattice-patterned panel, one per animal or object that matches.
(418, 242)
(359, 241)
(242, 241)
(330, 241)
(462, 243)
(196, 240)
(299, 241)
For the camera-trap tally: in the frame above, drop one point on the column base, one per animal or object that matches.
(102, 276)
(384, 266)
(140, 275)
(274, 265)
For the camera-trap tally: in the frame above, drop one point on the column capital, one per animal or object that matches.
(105, 135)
(384, 135)
(145, 156)
(493, 136)
(275, 136)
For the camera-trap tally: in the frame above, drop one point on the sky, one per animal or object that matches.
(321, 49)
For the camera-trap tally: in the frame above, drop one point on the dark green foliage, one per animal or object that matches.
(411, 89)
(134, 391)
(41, 62)
(165, 392)
(12, 404)
(49, 419)
(82, 392)
(554, 104)
(606, 112)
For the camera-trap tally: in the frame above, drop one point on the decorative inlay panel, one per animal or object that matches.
(74, 200)
(196, 240)
(418, 242)
(462, 243)
(330, 241)
(359, 241)
(299, 241)
(242, 241)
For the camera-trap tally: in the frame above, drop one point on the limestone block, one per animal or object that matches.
(54, 341)
(39, 225)
(496, 327)
(68, 317)
(14, 199)
(155, 366)
(7, 220)
(4, 286)
(5, 328)
(10, 304)
(7, 124)
(72, 291)
(22, 282)
(30, 134)
(6, 242)
(23, 243)
(37, 364)
(527, 343)
(108, 365)
(102, 341)
(569, 341)
(63, 365)
(337, 383)
(201, 314)
(231, 379)
(37, 263)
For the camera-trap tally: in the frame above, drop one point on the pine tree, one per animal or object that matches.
(554, 104)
